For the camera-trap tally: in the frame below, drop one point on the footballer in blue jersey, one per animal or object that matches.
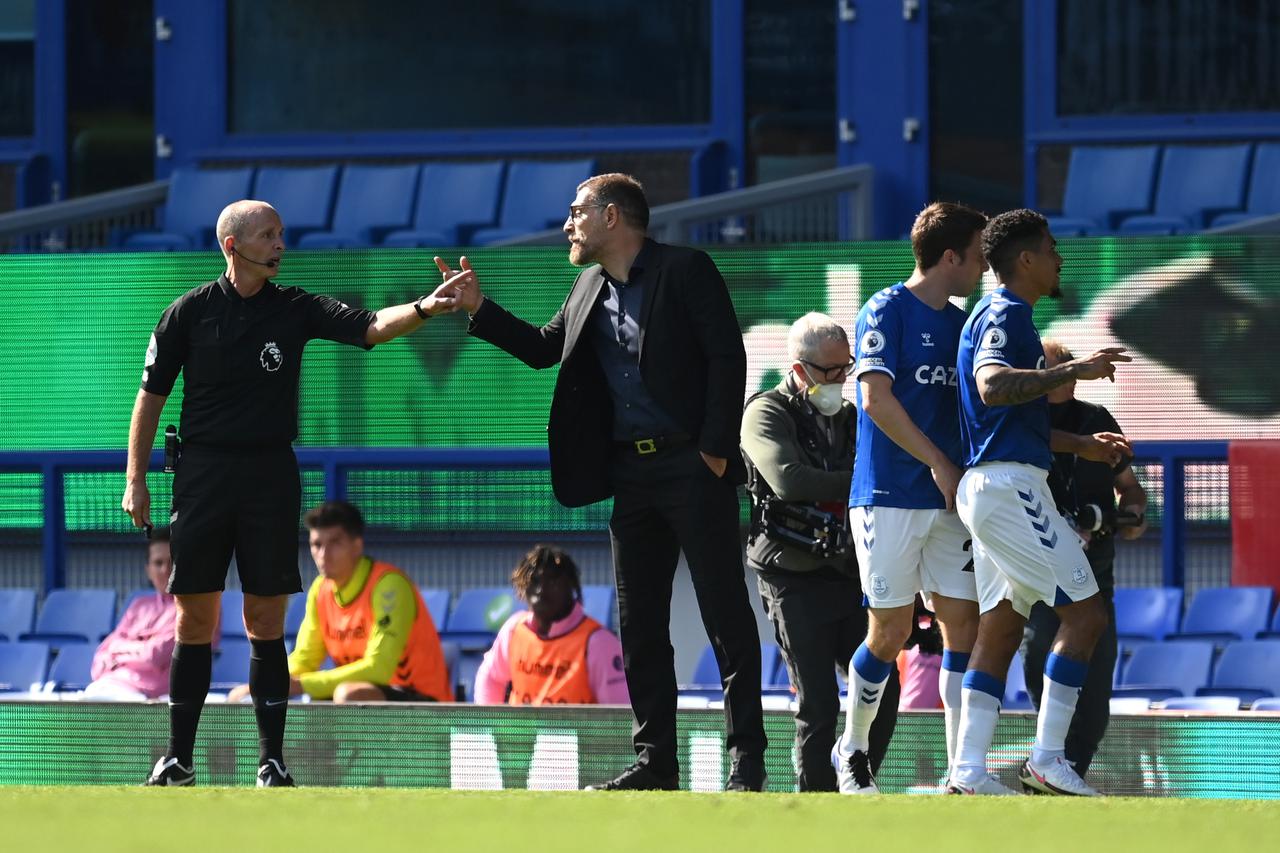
(907, 536)
(1024, 551)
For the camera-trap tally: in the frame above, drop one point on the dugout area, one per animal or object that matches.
(468, 747)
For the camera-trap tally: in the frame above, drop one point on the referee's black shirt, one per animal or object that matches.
(241, 359)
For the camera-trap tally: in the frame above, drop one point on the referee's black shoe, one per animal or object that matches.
(638, 777)
(168, 773)
(272, 774)
(747, 774)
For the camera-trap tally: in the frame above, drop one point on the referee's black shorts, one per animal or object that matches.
(236, 502)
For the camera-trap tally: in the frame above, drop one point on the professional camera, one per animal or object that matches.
(1103, 522)
(802, 526)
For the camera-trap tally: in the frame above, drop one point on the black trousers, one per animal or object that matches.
(1093, 709)
(818, 620)
(664, 503)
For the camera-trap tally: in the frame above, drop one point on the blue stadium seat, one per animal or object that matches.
(17, 613)
(70, 669)
(22, 666)
(454, 199)
(1211, 704)
(372, 201)
(1247, 670)
(536, 197)
(1227, 613)
(478, 615)
(302, 196)
(1274, 631)
(1266, 705)
(231, 666)
(464, 680)
(294, 615)
(597, 601)
(437, 601)
(1147, 613)
(706, 675)
(1162, 670)
(773, 671)
(1264, 187)
(452, 655)
(1105, 185)
(231, 620)
(75, 616)
(196, 197)
(1196, 183)
(1016, 697)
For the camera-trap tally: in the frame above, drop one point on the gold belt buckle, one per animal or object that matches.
(645, 446)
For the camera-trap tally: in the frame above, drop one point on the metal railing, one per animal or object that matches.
(82, 224)
(337, 463)
(831, 205)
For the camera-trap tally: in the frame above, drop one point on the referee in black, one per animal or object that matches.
(238, 341)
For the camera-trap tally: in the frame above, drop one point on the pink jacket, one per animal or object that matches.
(604, 661)
(137, 652)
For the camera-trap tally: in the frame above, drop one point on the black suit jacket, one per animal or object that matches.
(691, 359)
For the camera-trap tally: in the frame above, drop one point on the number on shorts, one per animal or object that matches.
(968, 547)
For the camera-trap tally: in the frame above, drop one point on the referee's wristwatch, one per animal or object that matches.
(417, 307)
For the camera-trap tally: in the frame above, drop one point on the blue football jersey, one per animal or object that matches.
(916, 345)
(1001, 331)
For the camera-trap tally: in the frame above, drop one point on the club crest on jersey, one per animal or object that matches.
(995, 338)
(872, 342)
(1079, 576)
(271, 358)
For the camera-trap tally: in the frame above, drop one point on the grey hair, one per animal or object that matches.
(237, 217)
(810, 332)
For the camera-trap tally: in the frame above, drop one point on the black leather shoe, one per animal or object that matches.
(638, 777)
(747, 775)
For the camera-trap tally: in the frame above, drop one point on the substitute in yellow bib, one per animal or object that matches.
(368, 617)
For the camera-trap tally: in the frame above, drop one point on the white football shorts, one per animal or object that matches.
(1023, 549)
(905, 551)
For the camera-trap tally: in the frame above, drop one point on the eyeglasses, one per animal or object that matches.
(578, 211)
(835, 373)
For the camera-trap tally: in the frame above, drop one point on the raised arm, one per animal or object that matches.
(396, 320)
(1000, 385)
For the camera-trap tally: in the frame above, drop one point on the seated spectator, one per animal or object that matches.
(553, 653)
(368, 617)
(132, 664)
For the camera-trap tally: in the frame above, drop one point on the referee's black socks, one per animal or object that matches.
(269, 684)
(188, 686)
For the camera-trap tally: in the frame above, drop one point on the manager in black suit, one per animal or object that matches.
(647, 409)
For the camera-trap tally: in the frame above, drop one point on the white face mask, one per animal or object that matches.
(825, 398)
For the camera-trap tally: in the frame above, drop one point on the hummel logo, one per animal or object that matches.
(873, 320)
(926, 339)
(995, 318)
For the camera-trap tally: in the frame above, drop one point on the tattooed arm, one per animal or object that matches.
(999, 385)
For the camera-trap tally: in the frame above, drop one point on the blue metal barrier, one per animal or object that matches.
(337, 463)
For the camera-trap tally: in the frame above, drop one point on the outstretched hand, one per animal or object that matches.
(467, 294)
(447, 297)
(1102, 364)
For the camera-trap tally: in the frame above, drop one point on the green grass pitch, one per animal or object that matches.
(350, 819)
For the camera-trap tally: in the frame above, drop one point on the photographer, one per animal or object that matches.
(797, 441)
(1086, 493)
